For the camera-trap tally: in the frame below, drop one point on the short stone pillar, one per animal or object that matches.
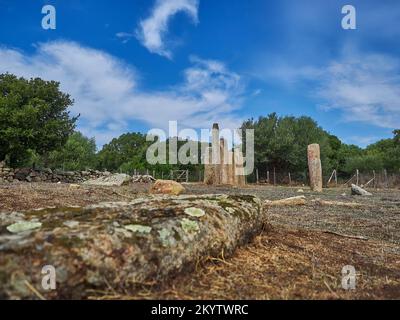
(208, 168)
(231, 168)
(224, 161)
(216, 154)
(240, 179)
(315, 167)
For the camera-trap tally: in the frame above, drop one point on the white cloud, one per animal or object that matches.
(152, 31)
(364, 87)
(362, 141)
(108, 97)
(124, 36)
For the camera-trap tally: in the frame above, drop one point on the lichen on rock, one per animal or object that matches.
(138, 228)
(23, 226)
(195, 212)
(189, 226)
(119, 244)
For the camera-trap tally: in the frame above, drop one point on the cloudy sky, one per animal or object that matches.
(135, 65)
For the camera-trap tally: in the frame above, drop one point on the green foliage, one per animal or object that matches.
(364, 163)
(79, 153)
(125, 153)
(397, 136)
(128, 152)
(345, 154)
(33, 118)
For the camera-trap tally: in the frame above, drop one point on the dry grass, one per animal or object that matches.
(300, 254)
(284, 263)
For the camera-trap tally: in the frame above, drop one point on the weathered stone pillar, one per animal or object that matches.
(208, 167)
(216, 154)
(231, 169)
(240, 179)
(315, 167)
(224, 161)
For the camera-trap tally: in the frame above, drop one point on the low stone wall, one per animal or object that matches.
(47, 175)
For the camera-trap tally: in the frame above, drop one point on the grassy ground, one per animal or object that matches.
(300, 254)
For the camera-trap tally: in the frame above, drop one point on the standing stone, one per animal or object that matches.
(216, 154)
(240, 179)
(315, 167)
(224, 162)
(231, 169)
(208, 167)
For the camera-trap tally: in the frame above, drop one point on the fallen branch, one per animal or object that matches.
(338, 204)
(350, 180)
(294, 201)
(37, 293)
(369, 182)
(344, 235)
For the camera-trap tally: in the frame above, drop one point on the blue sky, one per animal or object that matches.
(134, 65)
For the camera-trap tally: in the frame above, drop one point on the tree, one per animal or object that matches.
(79, 153)
(345, 154)
(397, 136)
(128, 148)
(33, 117)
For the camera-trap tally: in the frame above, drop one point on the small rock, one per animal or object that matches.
(116, 180)
(357, 191)
(300, 191)
(167, 187)
(74, 186)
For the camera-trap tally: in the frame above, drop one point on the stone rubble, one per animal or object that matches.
(48, 175)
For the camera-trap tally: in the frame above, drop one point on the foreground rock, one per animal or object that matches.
(167, 187)
(114, 180)
(357, 191)
(117, 245)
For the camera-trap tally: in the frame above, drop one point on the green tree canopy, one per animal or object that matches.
(129, 148)
(33, 117)
(397, 136)
(79, 153)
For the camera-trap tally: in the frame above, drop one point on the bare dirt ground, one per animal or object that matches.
(300, 254)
